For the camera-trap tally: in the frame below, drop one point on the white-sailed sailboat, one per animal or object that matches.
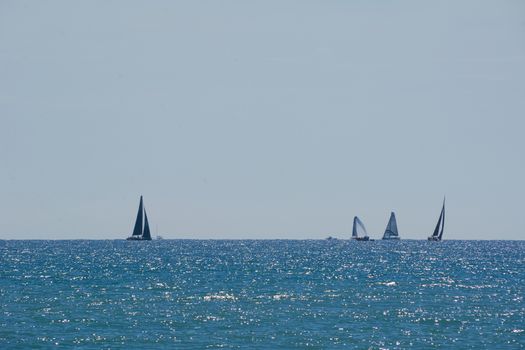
(438, 231)
(359, 231)
(391, 228)
(141, 233)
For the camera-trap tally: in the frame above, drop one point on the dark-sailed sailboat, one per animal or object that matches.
(141, 233)
(359, 231)
(391, 229)
(438, 231)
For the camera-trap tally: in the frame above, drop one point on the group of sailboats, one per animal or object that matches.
(141, 232)
(359, 231)
(391, 233)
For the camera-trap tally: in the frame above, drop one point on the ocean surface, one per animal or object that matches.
(266, 294)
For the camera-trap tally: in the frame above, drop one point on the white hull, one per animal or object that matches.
(391, 238)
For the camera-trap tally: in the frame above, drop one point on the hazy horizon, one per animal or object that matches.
(264, 119)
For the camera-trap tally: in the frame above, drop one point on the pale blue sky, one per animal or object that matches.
(261, 119)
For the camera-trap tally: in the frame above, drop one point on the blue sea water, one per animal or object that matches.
(188, 294)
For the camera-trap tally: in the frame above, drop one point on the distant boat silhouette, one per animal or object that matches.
(438, 231)
(359, 231)
(391, 228)
(140, 233)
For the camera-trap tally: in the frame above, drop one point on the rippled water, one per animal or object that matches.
(262, 294)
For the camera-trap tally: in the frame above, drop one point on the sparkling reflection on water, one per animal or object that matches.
(262, 294)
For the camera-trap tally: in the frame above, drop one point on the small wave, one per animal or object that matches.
(474, 286)
(432, 285)
(220, 296)
(388, 284)
(280, 296)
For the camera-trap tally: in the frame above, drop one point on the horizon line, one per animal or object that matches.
(244, 239)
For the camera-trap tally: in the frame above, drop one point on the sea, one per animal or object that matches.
(262, 294)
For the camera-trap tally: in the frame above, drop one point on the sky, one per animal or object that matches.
(261, 119)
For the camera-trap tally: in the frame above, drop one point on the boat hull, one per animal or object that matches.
(366, 238)
(137, 238)
(391, 238)
(434, 239)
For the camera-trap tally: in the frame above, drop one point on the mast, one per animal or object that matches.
(137, 230)
(146, 235)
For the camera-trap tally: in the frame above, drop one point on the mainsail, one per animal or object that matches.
(391, 228)
(358, 229)
(438, 231)
(137, 231)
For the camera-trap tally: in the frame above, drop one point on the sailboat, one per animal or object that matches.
(438, 231)
(391, 228)
(141, 233)
(359, 231)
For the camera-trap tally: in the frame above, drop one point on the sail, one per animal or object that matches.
(146, 235)
(438, 225)
(391, 227)
(358, 229)
(137, 230)
(443, 222)
(438, 231)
